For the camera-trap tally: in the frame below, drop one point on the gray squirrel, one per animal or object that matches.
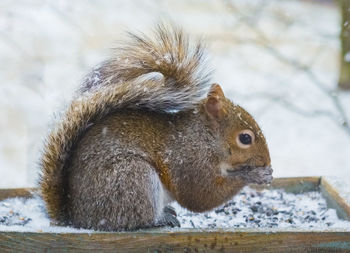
(148, 128)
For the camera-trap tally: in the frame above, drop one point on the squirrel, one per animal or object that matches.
(146, 128)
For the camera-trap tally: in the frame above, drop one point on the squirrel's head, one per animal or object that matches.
(245, 155)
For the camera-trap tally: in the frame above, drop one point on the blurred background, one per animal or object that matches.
(282, 60)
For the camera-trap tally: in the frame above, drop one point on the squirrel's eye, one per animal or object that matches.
(245, 138)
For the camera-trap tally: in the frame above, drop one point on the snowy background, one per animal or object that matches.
(278, 59)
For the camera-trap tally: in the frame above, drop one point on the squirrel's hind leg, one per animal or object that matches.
(117, 194)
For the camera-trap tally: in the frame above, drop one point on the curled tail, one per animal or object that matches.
(162, 74)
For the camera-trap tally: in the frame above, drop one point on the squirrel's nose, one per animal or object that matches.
(263, 161)
(267, 164)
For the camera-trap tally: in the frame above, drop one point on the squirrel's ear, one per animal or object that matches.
(214, 104)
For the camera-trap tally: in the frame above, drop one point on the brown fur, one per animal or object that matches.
(133, 141)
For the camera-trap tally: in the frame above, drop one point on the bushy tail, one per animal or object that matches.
(165, 73)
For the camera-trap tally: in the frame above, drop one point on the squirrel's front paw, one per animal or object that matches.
(170, 210)
(169, 218)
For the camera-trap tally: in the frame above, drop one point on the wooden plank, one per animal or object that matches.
(293, 184)
(334, 200)
(16, 192)
(177, 242)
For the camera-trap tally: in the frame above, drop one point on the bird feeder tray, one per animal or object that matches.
(195, 240)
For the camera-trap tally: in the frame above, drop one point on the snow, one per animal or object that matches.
(29, 215)
(47, 47)
(265, 210)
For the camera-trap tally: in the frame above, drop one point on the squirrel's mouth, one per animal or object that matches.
(251, 174)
